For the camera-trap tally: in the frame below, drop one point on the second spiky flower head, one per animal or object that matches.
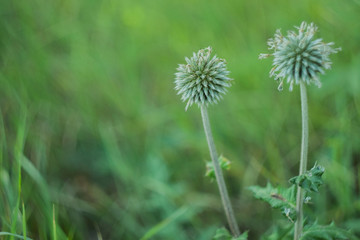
(298, 56)
(203, 80)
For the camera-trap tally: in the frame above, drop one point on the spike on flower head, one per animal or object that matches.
(203, 79)
(298, 56)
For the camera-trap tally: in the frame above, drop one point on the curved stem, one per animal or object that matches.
(219, 175)
(303, 160)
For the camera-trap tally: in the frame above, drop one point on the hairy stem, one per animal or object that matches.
(219, 175)
(303, 160)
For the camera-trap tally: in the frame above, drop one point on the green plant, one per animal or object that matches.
(106, 145)
(202, 81)
(299, 58)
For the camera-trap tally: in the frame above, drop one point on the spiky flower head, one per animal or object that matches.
(298, 56)
(203, 79)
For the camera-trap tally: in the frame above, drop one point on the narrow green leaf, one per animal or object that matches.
(54, 223)
(24, 220)
(279, 233)
(311, 180)
(163, 224)
(278, 198)
(14, 235)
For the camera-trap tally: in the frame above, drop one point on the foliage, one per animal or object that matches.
(278, 198)
(328, 232)
(311, 180)
(224, 234)
(278, 232)
(225, 164)
(107, 141)
(284, 199)
(312, 231)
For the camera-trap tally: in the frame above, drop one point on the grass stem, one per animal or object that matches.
(303, 160)
(219, 175)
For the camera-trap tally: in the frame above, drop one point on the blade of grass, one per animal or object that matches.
(18, 151)
(98, 233)
(54, 223)
(24, 220)
(2, 141)
(13, 235)
(158, 227)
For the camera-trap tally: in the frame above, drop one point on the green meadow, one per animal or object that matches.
(96, 144)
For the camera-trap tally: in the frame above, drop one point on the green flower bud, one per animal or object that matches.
(203, 80)
(298, 56)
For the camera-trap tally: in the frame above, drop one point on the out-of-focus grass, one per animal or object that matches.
(89, 113)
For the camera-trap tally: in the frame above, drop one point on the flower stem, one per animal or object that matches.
(219, 175)
(303, 160)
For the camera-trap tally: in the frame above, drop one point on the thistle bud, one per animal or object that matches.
(298, 56)
(203, 79)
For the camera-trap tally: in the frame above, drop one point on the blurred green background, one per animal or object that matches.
(91, 120)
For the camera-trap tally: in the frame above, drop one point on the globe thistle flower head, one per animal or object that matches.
(203, 79)
(299, 56)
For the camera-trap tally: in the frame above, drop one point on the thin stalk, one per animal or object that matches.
(303, 160)
(219, 175)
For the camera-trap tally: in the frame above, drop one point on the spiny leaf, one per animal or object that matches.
(328, 232)
(224, 164)
(311, 180)
(223, 234)
(278, 198)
